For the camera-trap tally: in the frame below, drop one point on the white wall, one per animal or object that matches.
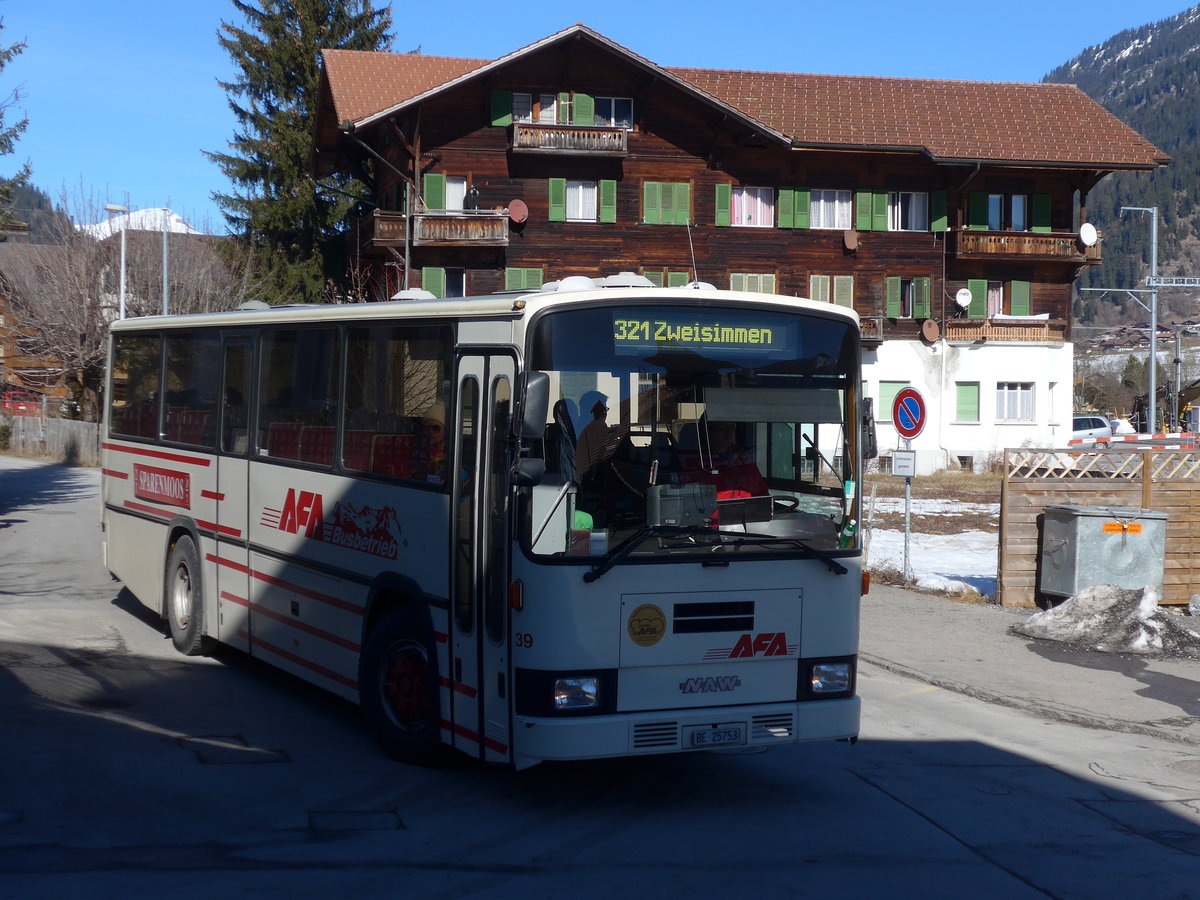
(934, 369)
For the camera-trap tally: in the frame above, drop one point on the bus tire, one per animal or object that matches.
(185, 598)
(398, 687)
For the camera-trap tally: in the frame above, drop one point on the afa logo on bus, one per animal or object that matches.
(366, 529)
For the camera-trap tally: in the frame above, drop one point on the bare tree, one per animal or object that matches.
(62, 294)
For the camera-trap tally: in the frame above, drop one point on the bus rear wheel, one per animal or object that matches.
(185, 599)
(398, 688)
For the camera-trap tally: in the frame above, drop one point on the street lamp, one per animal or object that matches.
(112, 209)
(1152, 406)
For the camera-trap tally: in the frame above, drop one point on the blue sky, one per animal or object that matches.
(122, 96)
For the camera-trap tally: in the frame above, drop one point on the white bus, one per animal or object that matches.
(586, 521)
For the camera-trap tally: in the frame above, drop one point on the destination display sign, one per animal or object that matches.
(702, 332)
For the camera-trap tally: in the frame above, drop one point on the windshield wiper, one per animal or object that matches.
(635, 540)
(738, 538)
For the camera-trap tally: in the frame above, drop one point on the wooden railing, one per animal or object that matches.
(871, 329)
(597, 140)
(1064, 246)
(1041, 331)
(482, 227)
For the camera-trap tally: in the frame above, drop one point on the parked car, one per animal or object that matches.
(18, 403)
(1091, 428)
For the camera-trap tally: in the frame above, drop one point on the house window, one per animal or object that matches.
(908, 298)
(456, 283)
(908, 211)
(995, 212)
(838, 289)
(966, 401)
(528, 108)
(615, 112)
(754, 207)
(1014, 401)
(995, 298)
(1019, 212)
(522, 107)
(1009, 212)
(887, 397)
(830, 209)
(755, 283)
(456, 192)
(581, 201)
(666, 203)
(547, 108)
(664, 278)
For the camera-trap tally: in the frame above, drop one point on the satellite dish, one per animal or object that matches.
(930, 330)
(1087, 234)
(850, 239)
(963, 298)
(518, 211)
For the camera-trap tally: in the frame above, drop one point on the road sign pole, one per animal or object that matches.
(907, 509)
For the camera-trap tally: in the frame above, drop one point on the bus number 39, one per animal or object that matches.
(523, 639)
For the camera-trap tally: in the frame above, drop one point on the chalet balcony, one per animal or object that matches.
(1019, 329)
(578, 140)
(438, 227)
(1027, 246)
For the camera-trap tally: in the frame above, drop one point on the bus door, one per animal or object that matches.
(481, 687)
(232, 625)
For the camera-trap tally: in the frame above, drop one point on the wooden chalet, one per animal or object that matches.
(947, 212)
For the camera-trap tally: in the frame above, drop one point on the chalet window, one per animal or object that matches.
(1008, 212)
(908, 211)
(582, 201)
(456, 192)
(522, 106)
(993, 298)
(663, 278)
(666, 203)
(1019, 212)
(517, 279)
(830, 209)
(615, 112)
(456, 283)
(966, 401)
(1014, 401)
(753, 207)
(756, 283)
(907, 298)
(547, 108)
(842, 293)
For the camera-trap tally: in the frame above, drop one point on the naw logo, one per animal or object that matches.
(364, 528)
(710, 684)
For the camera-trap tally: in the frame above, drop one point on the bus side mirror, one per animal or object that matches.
(870, 447)
(533, 391)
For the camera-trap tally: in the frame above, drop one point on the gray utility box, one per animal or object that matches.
(1083, 546)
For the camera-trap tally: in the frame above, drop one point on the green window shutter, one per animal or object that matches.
(939, 219)
(978, 289)
(433, 279)
(966, 401)
(1041, 213)
(562, 112)
(558, 199)
(785, 207)
(724, 205)
(818, 288)
(652, 202)
(501, 107)
(843, 290)
(583, 110)
(892, 308)
(677, 279)
(862, 210)
(879, 211)
(533, 278)
(434, 189)
(887, 398)
(802, 205)
(921, 298)
(655, 277)
(518, 279)
(1019, 296)
(737, 282)
(977, 211)
(608, 200)
(681, 203)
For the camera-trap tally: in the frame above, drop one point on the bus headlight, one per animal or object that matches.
(576, 692)
(830, 678)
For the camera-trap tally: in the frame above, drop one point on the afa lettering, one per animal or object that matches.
(303, 510)
(765, 644)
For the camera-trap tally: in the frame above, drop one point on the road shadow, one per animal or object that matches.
(23, 485)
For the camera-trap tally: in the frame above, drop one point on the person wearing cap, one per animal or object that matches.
(593, 440)
(433, 434)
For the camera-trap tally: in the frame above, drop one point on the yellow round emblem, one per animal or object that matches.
(647, 625)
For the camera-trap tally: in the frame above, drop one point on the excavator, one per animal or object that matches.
(1178, 411)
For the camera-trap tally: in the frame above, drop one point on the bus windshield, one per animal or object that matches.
(680, 430)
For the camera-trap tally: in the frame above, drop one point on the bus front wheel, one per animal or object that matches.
(398, 687)
(185, 599)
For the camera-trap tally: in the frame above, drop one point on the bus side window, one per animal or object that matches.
(234, 422)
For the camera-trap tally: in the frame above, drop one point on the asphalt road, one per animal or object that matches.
(127, 769)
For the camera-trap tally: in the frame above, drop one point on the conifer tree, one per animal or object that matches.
(280, 211)
(8, 138)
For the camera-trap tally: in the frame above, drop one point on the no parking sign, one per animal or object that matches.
(908, 412)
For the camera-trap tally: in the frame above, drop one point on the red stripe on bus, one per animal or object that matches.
(305, 627)
(336, 602)
(229, 564)
(113, 473)
(159, 454)
(464, 732)
(465, 689)
(441, 638)
(212, 495)
(220, 529)
(149, 510)
(307, 664)
(234, 598)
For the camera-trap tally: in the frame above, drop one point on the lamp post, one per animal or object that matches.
(1152, 406)
(113, 209)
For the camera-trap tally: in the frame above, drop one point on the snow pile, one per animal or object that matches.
(1113, 620)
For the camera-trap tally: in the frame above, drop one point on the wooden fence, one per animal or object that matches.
(1164, 480)
(60, 440)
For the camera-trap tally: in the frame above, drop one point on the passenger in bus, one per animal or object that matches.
(433, 434)
(592, 446)
(724, 462)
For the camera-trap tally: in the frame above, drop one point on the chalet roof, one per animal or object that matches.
(950, 121)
